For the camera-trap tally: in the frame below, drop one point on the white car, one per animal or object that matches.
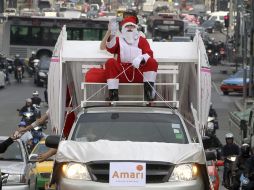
(13, 164)
(134, 148)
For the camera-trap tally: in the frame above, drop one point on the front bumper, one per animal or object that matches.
(231, 88)
(15, 187)
(67, 184)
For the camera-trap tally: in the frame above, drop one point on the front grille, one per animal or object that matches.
(156, 172)
(45, 175)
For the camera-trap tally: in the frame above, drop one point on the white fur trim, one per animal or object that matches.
(146, 57)
(149, 76)
(113, 83)
(111, 43)
(130, 23)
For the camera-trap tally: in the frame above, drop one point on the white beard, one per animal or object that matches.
(130, 37)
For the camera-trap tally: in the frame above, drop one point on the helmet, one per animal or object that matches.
(17, 56)
(22, 124)
(29, 100)
(245, 149)
(33, 53)
(35, 93)
(229, 136)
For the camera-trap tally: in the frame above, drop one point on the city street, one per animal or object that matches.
(12, 98)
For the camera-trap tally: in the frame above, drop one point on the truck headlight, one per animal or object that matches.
(76, 171)
(184, 172)
(42, 74)
(13, 178)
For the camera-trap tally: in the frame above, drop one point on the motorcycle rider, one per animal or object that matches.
(31, 60)
(18, 63)
(212, 112)
(36, 99)
(229, 149)
(239, 166)
(28, 108)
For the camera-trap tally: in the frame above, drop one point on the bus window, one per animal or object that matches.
(19, 35)
(54, 33)
(91, 34)
(74, 34)
(36, 35)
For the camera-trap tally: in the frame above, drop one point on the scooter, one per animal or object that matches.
(28, 117)
(19, 74)
(228, 165)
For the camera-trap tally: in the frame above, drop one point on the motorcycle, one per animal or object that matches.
(31, 67)
(216, 58)
(28, 117)
(37, 134)
(10, 65)
(222, 53)
(19, 74)
(228, 166)
(210, 56)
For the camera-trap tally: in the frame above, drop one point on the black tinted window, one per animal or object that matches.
(138, 127)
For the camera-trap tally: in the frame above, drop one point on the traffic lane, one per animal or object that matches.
(222, 104)
(12, 98)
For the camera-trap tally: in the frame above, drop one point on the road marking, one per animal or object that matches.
(217, 89)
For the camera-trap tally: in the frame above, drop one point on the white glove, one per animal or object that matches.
(113, 26)
(136, 62)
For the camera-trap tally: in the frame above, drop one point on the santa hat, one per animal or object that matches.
(129, 20)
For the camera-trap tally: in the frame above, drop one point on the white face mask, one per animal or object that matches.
(130, 37)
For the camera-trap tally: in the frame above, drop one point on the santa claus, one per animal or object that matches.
(134, 63)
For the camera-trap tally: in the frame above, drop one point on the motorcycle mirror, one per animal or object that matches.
(219, 163)
(52, 141)
(18, 109)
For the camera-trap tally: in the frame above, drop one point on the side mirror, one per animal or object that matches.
(33, 158)
(210, 155)
(219, 163)
(52, 141)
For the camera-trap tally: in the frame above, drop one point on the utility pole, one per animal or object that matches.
(251, 50)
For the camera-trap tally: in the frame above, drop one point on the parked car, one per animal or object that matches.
(212, 25)
(39, 173)
(13, 164)
(218, 16)
(213, 167)
(41, 71)
(234, 83)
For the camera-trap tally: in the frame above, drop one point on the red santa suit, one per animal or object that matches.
(126, 54)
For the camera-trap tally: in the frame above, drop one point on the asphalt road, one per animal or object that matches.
(12, 97)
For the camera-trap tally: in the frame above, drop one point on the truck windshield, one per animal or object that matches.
(137, 127)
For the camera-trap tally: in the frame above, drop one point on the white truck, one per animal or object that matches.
(126, 144)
